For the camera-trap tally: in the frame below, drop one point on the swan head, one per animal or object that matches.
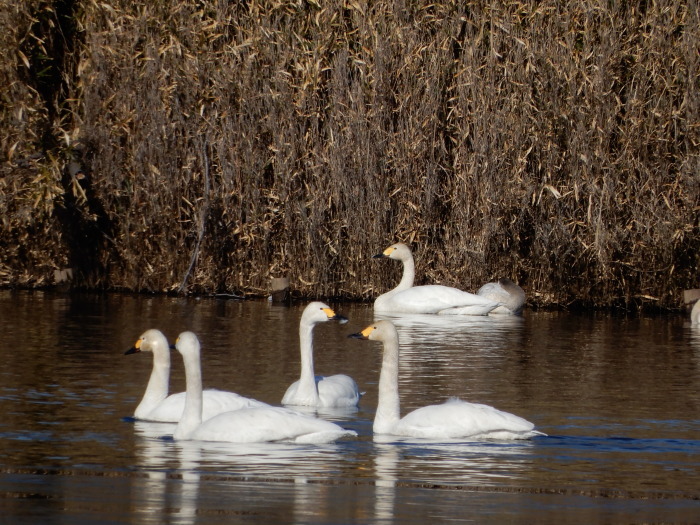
(187, 343)
(398, 251)
(318, 312)
(150, 341)
(379, 331)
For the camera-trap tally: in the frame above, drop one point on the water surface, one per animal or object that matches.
(617, 396)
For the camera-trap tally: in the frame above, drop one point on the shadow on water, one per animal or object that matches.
(618, 399)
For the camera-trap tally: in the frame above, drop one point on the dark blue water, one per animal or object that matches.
(618, 398)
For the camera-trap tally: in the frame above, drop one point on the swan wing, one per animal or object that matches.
(434, 298)
(265, 424)
(337, 391)
(215, 402)
(484, 309)
(460, 419)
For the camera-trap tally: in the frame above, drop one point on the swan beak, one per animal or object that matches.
(385, 253)
(332, 316)
(134, 349)
(364, 334)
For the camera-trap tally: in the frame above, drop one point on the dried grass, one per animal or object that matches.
(225, 143)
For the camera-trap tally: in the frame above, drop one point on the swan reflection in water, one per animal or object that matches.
(484, 332)
(459, 462)
(156, 459)
(161, 457)
(386, 460)
(162, 491)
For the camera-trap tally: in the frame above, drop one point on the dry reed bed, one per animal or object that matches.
(224, 143)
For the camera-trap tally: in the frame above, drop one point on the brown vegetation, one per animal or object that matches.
(224, 143)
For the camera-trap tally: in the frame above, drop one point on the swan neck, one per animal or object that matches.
(157, 388)
(388, 406)
(307, 380)
(409, 274)
(192, 413)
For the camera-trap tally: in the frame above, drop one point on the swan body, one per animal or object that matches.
(695, 313)
(504, 291)
(428, 299)
(157, 405)
(336, 391)
(453, 419)
(247, 425)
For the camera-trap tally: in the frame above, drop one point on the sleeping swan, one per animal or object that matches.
(156, 405)
(318, 391)
(506, 292)
(429, 299)
(247, 425)
(453, 419)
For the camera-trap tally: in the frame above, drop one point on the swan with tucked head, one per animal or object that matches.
(247, 425)
(695, 313)
(157, 405)
(451, 420)
(504, 291)
(427, 299)
(336, 391)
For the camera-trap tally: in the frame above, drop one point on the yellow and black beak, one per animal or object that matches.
(134, 349)
(385, 253)
(364, 334)
(332, 316)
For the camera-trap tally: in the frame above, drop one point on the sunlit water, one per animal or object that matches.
(618, 397)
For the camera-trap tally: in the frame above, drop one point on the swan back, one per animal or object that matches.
(265, 424)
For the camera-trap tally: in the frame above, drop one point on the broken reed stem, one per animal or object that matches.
(203, 215)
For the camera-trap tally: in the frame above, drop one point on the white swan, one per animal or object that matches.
(428, 299)
(157, 405)
(695, 313)
(453, 419)
(504, 291)
(247, 425)
(335, 391)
